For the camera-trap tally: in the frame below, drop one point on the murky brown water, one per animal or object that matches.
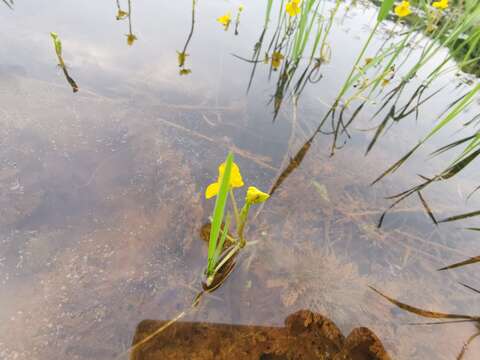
(101, 192)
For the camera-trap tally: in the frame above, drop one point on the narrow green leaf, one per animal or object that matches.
(219, 212)
(461, 105)
(384, 10)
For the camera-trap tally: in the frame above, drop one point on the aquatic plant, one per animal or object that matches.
(229, 178)
(225, 20)
(293, 7)
(122, 15)
(440, 4)
(182, 55)
(237, 18)
(294, 29)
(57, 43)
(403, 9)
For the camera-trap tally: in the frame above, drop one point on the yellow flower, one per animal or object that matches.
(240, 8)
(235, 180)
(293, 7)
(225, 20)
(440, 4)
(255, 196)
(403, 9)
(277, 58)
(131, 39)
(121, 14)
(182, 56)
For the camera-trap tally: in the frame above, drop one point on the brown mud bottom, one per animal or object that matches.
(306, 335)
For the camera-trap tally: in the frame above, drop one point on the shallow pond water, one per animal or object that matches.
(101, 191)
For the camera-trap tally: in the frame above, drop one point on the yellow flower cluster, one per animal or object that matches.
(403, 9)
(235, 180)
(293, 7)
(225, 20)
(254, 196)
(440, 4)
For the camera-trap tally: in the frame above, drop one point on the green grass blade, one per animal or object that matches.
(455, 111)
(219, 212)
(385, 9)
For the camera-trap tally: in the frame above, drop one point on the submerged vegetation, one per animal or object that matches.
(423, 40)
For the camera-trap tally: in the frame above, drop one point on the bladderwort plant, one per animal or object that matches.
(223, 246)
(219, 254)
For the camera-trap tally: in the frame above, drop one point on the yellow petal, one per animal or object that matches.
(292, 7)
(255, 196)
(225, 19)
(441, 4)
(235, 176)
(403, 9)
(212, 190)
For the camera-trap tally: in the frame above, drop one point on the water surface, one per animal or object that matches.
(101, 192)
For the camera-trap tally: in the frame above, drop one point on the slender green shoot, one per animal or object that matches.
(218, 215)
